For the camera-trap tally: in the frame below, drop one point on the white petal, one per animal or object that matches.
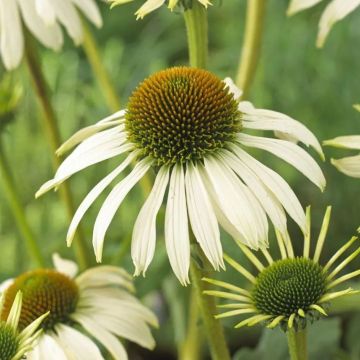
(291, 153)
(46, 11)
(11, 35)
(202, 217)
(233, 199)
(271, 120)
(93, 195)
(345, 142)
(5, 284)
(149, 6)
(277, 185)
(113, 202)
(47, 348)
(144, 232)
(76, 345)
(110, 342)
(90, 10)
(334, 12)
(176, 226)
(350, 165)
(233, 88)
(49, 36)
(65, 266)
(267, 199)
(299, 5)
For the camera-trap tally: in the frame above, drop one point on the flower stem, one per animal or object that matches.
(102, 76)
(197, 34)
(18, 209)
(213, 328)
(250, 52)
(297, 344)
(52, 132)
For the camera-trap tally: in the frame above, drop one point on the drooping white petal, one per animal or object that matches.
(263, 119)
(176, 226)
(144, 232)
(76, 345)
(47, 348)
(93, 195)
(350, 165)
(239, 207)
(65, 266)
(46, 11)
(90, 10)
(11, 35)
(112, 203)
(49, 36)
(334, 12)
(233, 88)
(110, 342)
(345, 142)
(277, 185)
(202, 217)
(266, 198)
(291, 153)
(299, 5)
(149, 6)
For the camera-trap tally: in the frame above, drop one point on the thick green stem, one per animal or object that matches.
(197, 34)
(102, 76)
(297, 344)
(53, 135)
(250, 52)
(18, 210)
(212, 327)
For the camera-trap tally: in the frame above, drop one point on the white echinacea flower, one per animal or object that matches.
(335, 11)
(99, 300)
(43, 19)
(15, 344)
(151, 5)
(190, 128)
(349, 165)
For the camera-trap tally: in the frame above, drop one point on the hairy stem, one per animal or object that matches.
(18, 209)
(297, 344)
(52, 132)
(251, 47)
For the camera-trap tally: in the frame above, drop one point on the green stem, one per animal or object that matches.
(297, 344)
(102, 76)
(191, 347)
(213, 328)
(18, 209)
(197, 34)
(250, 52)
(52, 132)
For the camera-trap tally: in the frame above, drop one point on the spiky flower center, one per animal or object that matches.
(9, 342)
(43, 290)
(289, 285)
(181, 114)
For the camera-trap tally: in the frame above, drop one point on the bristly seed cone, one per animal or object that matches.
(182, 114)
(289, 285)
(43, 290)
(8, 342)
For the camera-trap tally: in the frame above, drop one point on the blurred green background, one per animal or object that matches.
(317, 87)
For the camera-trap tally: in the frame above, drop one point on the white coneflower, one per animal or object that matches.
(188, 125)
(335, 11)
(151, 5)
(289, 291)
(99, 300)
(14, 345)
(348, 165)
(43, 18)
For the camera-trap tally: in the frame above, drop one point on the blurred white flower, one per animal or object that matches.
(189, 126)
(335, 11)
(99, 300)
(348, 165)
(43, 19)
(14, 345)
(151, 5)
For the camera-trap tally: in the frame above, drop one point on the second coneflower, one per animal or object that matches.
(190, 128)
